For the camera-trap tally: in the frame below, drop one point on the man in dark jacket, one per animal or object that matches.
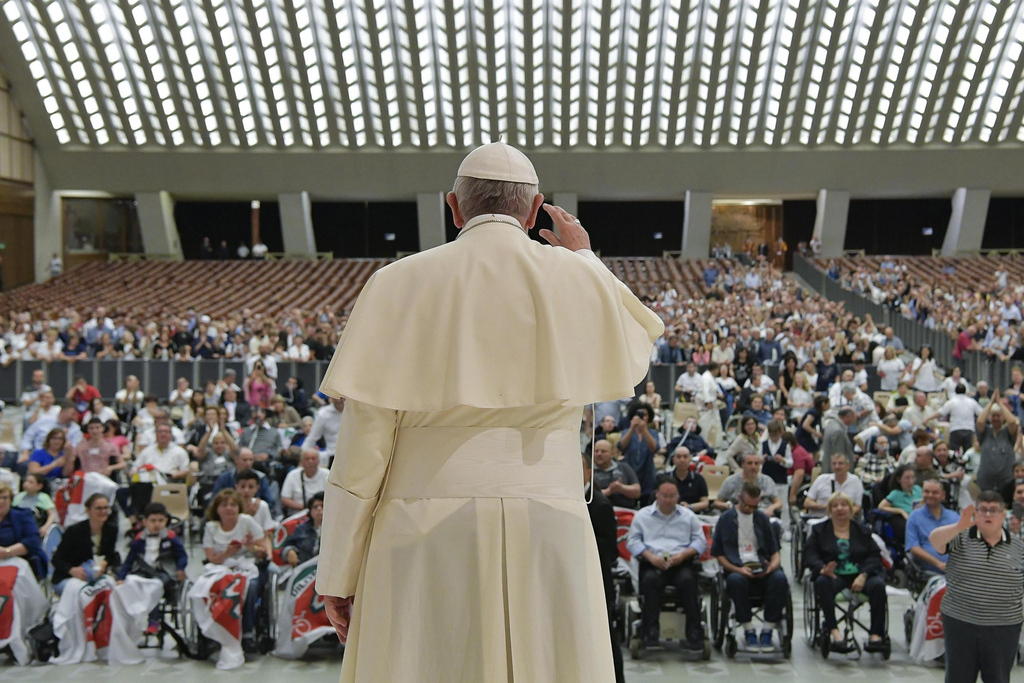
(602, 518)
(745, 546)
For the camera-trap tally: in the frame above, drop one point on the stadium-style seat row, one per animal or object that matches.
(160, 289)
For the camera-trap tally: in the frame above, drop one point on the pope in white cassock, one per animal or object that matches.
(456, 543)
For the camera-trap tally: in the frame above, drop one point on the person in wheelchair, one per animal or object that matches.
(841, 554)
(922, 522)
(234, 539)
(666, 538)
(901, 500)
(304, 543)
(156, 553)
(746, 547)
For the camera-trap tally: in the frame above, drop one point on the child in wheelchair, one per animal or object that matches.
(35, 496)
(156, 552)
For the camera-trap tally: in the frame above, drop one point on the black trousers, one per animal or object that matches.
(773, 589)
(961, 439)
(973, 649)
(826, 588)
(652, 588)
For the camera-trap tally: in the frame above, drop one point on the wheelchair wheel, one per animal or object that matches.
(787, 639)
(730, 646)
(796, 548)
(720, 625)
(634, 648)
(196, 644)
(811, 624)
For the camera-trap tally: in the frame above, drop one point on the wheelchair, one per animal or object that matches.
(673, 620)
(724, 624)
(916, 580)
(179, 623)
(847, 605)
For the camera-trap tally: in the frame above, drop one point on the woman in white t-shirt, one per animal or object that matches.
(890, 369)
(235, 540)
(801, 396)
(231, 537)
(922, 372)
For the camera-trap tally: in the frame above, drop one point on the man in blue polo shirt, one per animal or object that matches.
(923, 521)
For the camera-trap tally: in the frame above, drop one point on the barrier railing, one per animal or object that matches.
(159, 377)
(977, 366)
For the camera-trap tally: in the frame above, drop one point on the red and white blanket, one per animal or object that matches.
(104, 619)
(22, 606)
(927, 642)
(217, 599)
(302, 619)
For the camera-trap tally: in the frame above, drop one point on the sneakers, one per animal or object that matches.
(766, 641)
(153, 628)
(750, 639)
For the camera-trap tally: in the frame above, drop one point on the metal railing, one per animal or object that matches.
(976, 366)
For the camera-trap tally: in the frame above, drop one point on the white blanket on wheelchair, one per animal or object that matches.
(103, 619)
(22, 606)
(70, 498)
(302, 619)
(217, 599)
(927, 642)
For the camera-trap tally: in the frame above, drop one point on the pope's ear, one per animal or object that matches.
(531, 218)
(453, 204)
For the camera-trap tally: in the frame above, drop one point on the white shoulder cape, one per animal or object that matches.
(492, 320)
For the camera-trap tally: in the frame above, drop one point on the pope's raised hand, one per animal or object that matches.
(568, 232)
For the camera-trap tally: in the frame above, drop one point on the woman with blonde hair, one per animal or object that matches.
(840, 555)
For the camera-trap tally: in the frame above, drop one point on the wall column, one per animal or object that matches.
(697, 225)
(156, 221)
(430, 210)
(830, 221)
(967, 221)
(47, 226)
(297, 224)
(570, 201)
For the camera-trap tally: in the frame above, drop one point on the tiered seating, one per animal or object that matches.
(973, 272)
(163, 290)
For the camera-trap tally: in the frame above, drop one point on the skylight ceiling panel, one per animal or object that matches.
(147, 74)
(101, 109)
(616, 83)
(908, 54)
(193, 90)
(597, 73)
(200, 53)
(712, 73)
(780, 66)
(805, 77)
(644, 42)
(171, 77)
(999, 69)
(47, 83)
(871, 117)
(53, 34)
(574, 83)
(287, 98)
(757, 39)
(412, 30)
(253, 27)
(491, 53)
(677, 63)
(834, 113)
(300, 49)
(1010, 86)
(990, 16)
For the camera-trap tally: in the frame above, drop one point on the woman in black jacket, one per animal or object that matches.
(95, 537)
(841, 554)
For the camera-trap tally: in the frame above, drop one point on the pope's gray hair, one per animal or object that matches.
(477, 197)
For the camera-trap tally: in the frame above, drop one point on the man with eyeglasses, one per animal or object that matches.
(982, 608)
(746, 547)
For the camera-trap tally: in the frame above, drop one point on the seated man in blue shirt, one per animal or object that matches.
(667, 539)
(244, 461)
(923, 521)
(746, 547)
